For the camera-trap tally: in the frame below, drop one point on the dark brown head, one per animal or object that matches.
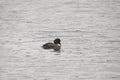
(57, 41)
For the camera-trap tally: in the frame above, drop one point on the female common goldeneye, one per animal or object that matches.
(56, 45)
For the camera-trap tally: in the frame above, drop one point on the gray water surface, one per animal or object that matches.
(89, 30)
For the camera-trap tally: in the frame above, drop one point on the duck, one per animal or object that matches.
(56, 45)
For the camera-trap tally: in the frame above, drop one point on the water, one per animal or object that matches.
(89, 30)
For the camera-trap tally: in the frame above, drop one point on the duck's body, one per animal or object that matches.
(56, 45)
(51, 46)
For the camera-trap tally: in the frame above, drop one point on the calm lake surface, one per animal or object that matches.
(89, 30)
